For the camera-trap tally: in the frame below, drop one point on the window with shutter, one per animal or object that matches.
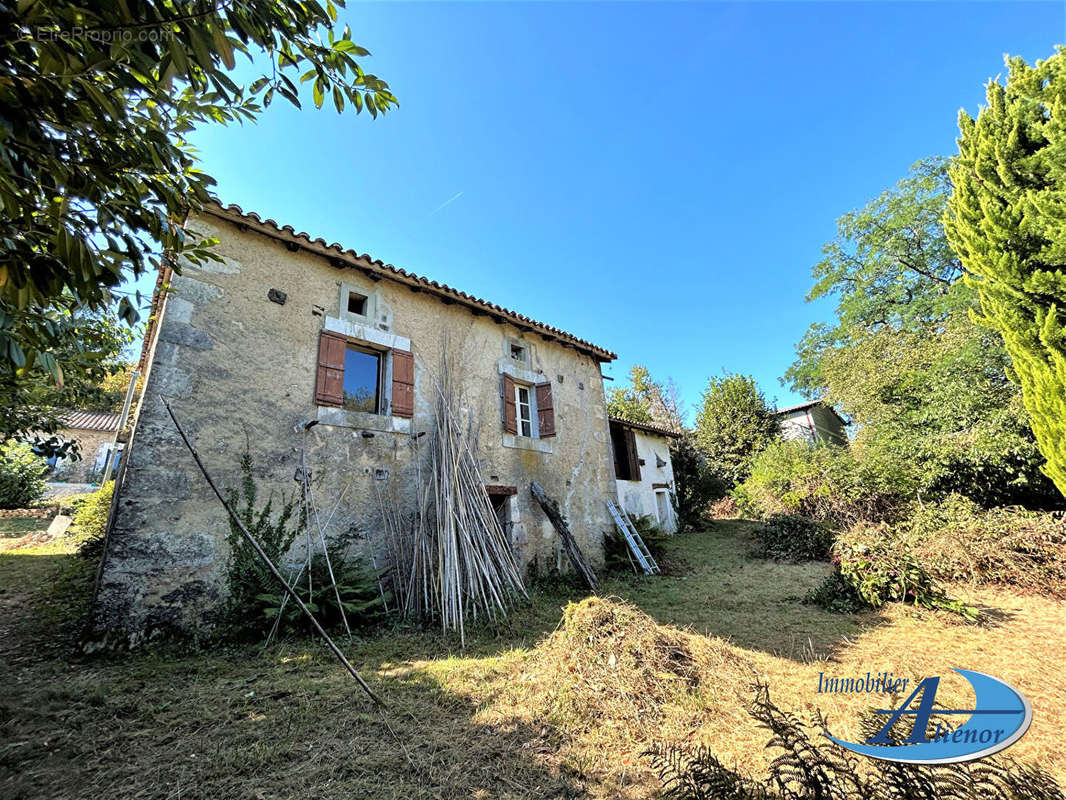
(329, 382)
(545, 410)
(634, 461)
(403, 384)
(510, 411)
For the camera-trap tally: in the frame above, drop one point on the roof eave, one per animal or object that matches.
(377, 270)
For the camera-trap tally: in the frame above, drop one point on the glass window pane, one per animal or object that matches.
(361, 380)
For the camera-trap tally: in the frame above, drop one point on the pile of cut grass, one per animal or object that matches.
(610, 664)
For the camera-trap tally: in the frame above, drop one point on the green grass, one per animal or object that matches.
(16, 527)
(240, 722)
(754, 603)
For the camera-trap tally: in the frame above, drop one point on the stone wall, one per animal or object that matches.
(86, 468)
(240, 372)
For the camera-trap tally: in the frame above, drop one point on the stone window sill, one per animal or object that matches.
(527, 443)
(361, 420)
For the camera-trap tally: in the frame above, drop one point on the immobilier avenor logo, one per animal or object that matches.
(1001, 715)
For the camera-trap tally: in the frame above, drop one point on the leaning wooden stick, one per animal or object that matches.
(266, 559)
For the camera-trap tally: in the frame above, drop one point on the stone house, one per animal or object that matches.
(286, 330)
(813, 422)
(95, 434)
(644, 473)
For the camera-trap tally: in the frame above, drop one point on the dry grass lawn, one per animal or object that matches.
(520, 713)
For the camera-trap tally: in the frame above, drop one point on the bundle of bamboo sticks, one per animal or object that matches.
(450, 560)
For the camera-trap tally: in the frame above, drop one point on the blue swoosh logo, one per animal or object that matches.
(995, 700)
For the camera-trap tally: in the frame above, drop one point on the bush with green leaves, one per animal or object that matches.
(21, 475)
(957, 540)
(88, 526)
(697, 483)
(357, 591)
(791, 537)
(878, 567)
(247, 578)
(826, 482)
(617, 555)
(735, 422)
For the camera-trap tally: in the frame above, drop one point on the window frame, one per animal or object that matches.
(380, 398)
(521, 423)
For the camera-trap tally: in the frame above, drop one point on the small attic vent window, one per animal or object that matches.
(518, 353)
(356, 304)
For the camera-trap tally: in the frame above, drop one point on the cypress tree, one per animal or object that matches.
(1006, 220)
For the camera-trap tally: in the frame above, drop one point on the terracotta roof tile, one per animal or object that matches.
(646, 426)
(91, 421)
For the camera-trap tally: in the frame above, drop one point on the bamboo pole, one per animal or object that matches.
(266, 560)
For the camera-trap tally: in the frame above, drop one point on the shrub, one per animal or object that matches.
(957, 540)
(89, 524)
(806, 765)
(880, 568)
(21, 475)
(825, 482)
(247, 578)
(617, 555)
(790, 537)
(836, 594)
(725, 508)
(698, 484)
(357, 587)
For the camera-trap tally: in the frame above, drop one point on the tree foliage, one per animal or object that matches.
(889, 266)
(96, 168)
(647, 400)
(733, 425)
(696, 483)
(927, 389)
(937, 404)
(90, 346)
(21, 475)
(1007, 221)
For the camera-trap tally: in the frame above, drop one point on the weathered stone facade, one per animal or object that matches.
(239, 369)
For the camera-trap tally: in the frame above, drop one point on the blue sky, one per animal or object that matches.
(656, 178)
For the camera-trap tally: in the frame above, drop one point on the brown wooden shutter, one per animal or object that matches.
(510, 413)
(545, 410)
(329, 383)
(403, 384)
(634, 460)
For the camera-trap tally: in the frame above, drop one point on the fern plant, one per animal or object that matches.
(248, 578)
(808, 766)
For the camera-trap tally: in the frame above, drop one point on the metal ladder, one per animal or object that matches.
(636, 544)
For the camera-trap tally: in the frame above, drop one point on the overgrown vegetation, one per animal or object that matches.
(1005, 222)
(88, 525)
(356, 591)
(697, 484)
(791, 537)
(808, 766)
(957, 540)
(880, 568)
(331, 584)
(929, 391)
(828, 483)
(616, 553)
(21, 475)
(735, 423)
(251, 585)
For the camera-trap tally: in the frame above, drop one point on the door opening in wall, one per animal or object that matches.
(501, 504)
(662, 507)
